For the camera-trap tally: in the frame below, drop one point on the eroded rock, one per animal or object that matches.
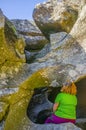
(34, 38)
(11, 50)
(26, 27)
(54, 16)
(20, 100)
(3, 109)
(64, 126)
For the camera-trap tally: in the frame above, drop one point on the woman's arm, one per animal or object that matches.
(55, 106)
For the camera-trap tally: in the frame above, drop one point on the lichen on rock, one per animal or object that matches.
(11, 49)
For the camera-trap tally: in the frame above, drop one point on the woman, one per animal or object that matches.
(64, 107)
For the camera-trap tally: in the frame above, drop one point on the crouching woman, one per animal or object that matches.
(64, 108)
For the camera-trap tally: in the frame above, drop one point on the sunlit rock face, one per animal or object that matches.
(54, 16)
(11, 51)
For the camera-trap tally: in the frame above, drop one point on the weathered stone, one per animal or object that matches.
(79, 29)
(17, 117)
(3, 109)
(33, 37)
(32, 56)
(64, 126)
(57, 38)
(35, 43)
(52, 17)
(26, 27)
(11, 50)
(69, 50)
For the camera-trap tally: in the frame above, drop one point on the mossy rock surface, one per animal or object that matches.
(3, 110)
(11, 47)
(17, 117)
(9, 60)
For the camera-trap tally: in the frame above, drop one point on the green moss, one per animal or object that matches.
(37, 80)
(71, 19)
(3, 110)
(9, 61)
(20, 45)
(17, 117)
(4, 106)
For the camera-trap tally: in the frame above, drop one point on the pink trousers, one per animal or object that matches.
(57, 120)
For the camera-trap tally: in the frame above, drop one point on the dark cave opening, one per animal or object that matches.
(41, 103)
(40, 106)
(81, 95)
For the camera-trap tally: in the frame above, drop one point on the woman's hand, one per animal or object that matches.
(55, 107)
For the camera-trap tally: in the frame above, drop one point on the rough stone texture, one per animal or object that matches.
(34, 39)
(17, 118)
(33, 56)
(69, 53)
(25, 27)
(70, 50)
(79, 29)
(54, 16)
(57, 38)
(3, 109)
(35, 43)
(67, 126)
(11, 50)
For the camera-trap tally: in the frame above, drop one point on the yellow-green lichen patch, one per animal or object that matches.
(20, 45)
(9, 60)
(38, 79)
(3, 110)
(17, 117)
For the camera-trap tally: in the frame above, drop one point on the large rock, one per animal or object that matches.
(79, 29)
(54, 16)
(17, 118)
(69, 48)
(11, 51)
(34, 39)
(26, 27)
(35, 43)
